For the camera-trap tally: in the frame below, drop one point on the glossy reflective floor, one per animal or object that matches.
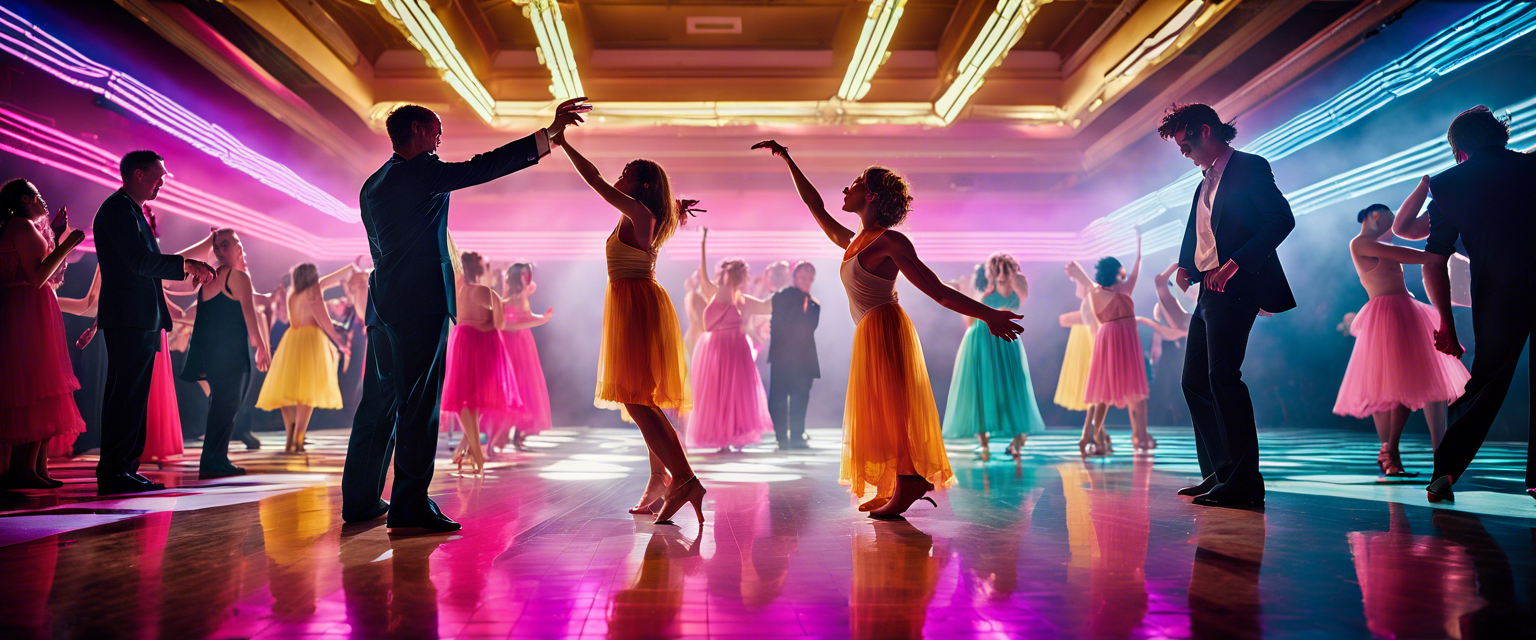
(1046, 546)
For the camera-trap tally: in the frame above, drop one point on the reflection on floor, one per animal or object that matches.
(1046, 546)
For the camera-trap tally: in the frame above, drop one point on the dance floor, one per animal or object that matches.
(1050, 545)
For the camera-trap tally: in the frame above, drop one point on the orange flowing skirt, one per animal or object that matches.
(890, 423)
(641, 356)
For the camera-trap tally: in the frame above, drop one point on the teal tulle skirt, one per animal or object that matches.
(990, 390)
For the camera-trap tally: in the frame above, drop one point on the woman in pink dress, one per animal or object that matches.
(1117, 375)
(1395, 369)
(730, 405)
(478, 380)
(531, 387)
(37, 382)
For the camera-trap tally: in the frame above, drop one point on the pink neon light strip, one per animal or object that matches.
(27, 42)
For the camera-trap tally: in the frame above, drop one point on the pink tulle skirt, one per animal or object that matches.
(479, 374)
(532, 389)
(1395, 361)
(37, 381)
(1117, 375)
(730, 407)
(163, 437)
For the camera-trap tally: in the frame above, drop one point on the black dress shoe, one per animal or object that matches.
(1201, 489)
(1531, 492)
(432, 524)
(226, 472)
(799, 443)
(153, 486)
(1440, 490)
(123, 483)
(378, 511)
(251, 442)
(1230, 501)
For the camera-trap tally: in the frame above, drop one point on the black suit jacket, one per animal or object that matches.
(405, 212)
(131, 267)
(1250, 218)
(792, 333)
(1489, 203)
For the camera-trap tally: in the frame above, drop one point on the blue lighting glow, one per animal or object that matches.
(1476, 35)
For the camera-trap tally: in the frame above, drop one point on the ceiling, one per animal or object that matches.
(687, 82)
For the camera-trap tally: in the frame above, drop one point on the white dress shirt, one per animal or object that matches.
(1205, 235)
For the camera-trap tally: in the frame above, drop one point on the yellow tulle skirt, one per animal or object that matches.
(890, 423)
(640, 360)
(1073, 383)
(303, 373)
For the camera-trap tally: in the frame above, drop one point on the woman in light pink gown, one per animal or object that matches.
(532, 389)
(1395, 369)
(730, 405)
(1117, 375)
(37, 381)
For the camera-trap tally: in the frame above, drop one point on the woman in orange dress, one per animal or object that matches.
(893, 452)
(640, 362)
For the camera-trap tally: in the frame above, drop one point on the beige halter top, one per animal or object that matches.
(865, 290)
(626, 262)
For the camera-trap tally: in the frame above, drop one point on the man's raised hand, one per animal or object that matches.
(773, 146)
(567, 114)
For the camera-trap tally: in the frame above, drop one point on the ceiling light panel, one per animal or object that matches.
(879, 25)
(1002, 30)
(554, 47)
(427, 33)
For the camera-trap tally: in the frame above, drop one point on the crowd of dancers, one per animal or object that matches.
(448, 336)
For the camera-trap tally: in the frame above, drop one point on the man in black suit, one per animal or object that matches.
(1488, 201)
(792, 361)
(131, 314)
(405, 212)
(1237, 220)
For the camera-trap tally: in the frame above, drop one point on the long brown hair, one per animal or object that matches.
(518, 277)
(305, 277)
(654, 190)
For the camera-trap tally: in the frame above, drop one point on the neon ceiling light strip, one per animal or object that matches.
(555, 49)
(1476, 35)
(872, 51)
(1002, 30)
(429, 36)
(35, 141)
(35, 46)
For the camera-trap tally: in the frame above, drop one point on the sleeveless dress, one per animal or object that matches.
(990, 390)
(303, 372)
(1073, 381)
(1118, 374)
(730, 405)
(1395, 362)
(532, 389)
(478, 376)
(162, 438)
(640, 356)
(889, 413)
(37, 382)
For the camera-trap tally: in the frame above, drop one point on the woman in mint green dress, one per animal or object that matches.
(990, 392)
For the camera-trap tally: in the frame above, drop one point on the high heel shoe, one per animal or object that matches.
(874, 503)
(689, 492)
(1145, 444)
(1390, 462)
(458, 459)
(984, 454)
(1085, 444)
(893, 509)
(648, 505)
(1440, 489)
(1103, 444)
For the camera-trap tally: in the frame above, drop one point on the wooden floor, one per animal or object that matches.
(1046, 546)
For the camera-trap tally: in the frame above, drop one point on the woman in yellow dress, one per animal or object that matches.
(303, 373)
(893, 452)
(640, 362)
(1072, 386)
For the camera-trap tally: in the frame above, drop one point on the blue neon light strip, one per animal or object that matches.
(27, 42)
(1476, 35)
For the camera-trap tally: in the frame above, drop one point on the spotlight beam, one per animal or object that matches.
(426, 32)
(1001, 31)
(555, 49)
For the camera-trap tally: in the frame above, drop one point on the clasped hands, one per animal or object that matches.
(1215, 280)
